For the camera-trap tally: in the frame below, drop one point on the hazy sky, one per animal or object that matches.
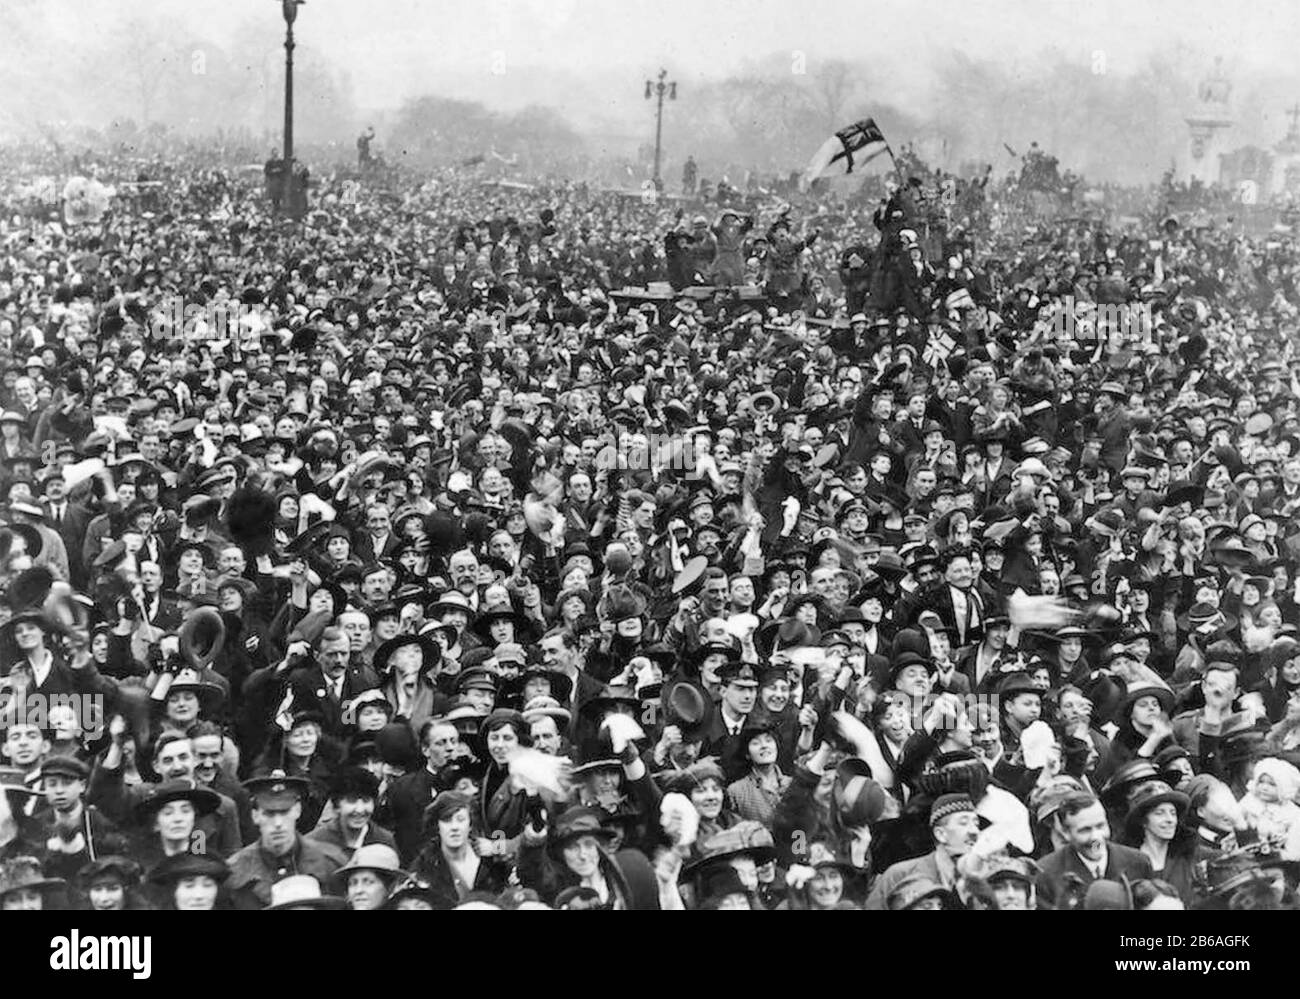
(396, 48)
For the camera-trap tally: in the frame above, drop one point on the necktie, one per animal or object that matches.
(960, 613)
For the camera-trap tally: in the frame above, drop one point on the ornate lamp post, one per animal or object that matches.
(289, 196)
(652, 89)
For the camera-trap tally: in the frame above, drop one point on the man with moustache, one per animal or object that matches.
(173, 759)
(954, 825)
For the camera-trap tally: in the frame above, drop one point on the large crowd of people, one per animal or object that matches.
(522, 545)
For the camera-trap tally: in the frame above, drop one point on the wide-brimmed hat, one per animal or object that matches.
(1021, 869)
(911, 892)
(596, 753)
(574, 824)
(452, 600)
(14, 780)
(1148, 688)
(210, 695)
(561, 686)
(687, 705)
(483, 623)
(1225, 875)
(376, 857)
(1127, 776)
(1147, 796)
(746, 838)
(20, 873)
(542, 706)
(126, 870)
(302, 891)
(426, 643)
(1203, 613)
(204, 800)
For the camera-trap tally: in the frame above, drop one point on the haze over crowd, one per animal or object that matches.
(758, 84)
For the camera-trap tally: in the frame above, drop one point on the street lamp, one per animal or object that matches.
(288, 195)
(660, 88)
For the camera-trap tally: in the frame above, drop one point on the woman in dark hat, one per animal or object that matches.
(190, 697)
(1143, 720)
(821, 886)
(755, 795)
(1174, 765)
(536, 681)
(409, 666)
(12, 427)
(1156, 824)
(625, 609)
(776, 707)
(889, 523)
(110, 883)
(189, 881)
(922, 893)
(577, 854)
(24, 887)
(835, 805)
(503, 810)
(449, 865)
(168, 816)
(811, 609)
(704, 783)
(891, 721)
(287, 511)
(194, 568)
(572, 605)
(504, 626)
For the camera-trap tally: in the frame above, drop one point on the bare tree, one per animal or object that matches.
(148, 55)
(832, 87)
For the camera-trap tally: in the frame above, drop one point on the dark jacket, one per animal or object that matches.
(408, 797)
(333, 834)
(628, 873)
(1054, 881)
(253, 871)
(432, 866)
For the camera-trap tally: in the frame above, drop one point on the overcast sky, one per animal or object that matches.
(397, 48)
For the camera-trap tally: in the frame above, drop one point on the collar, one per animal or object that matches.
(947, 868)
(41, 665)
(290, 858)
(729, 720)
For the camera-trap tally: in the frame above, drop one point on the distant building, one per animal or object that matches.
(1285, 178)
(1208, 124)
(1259, 175)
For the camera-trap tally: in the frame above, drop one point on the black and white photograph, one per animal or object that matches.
(651, 455)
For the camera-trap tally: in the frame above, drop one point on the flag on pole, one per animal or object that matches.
(850, 147)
